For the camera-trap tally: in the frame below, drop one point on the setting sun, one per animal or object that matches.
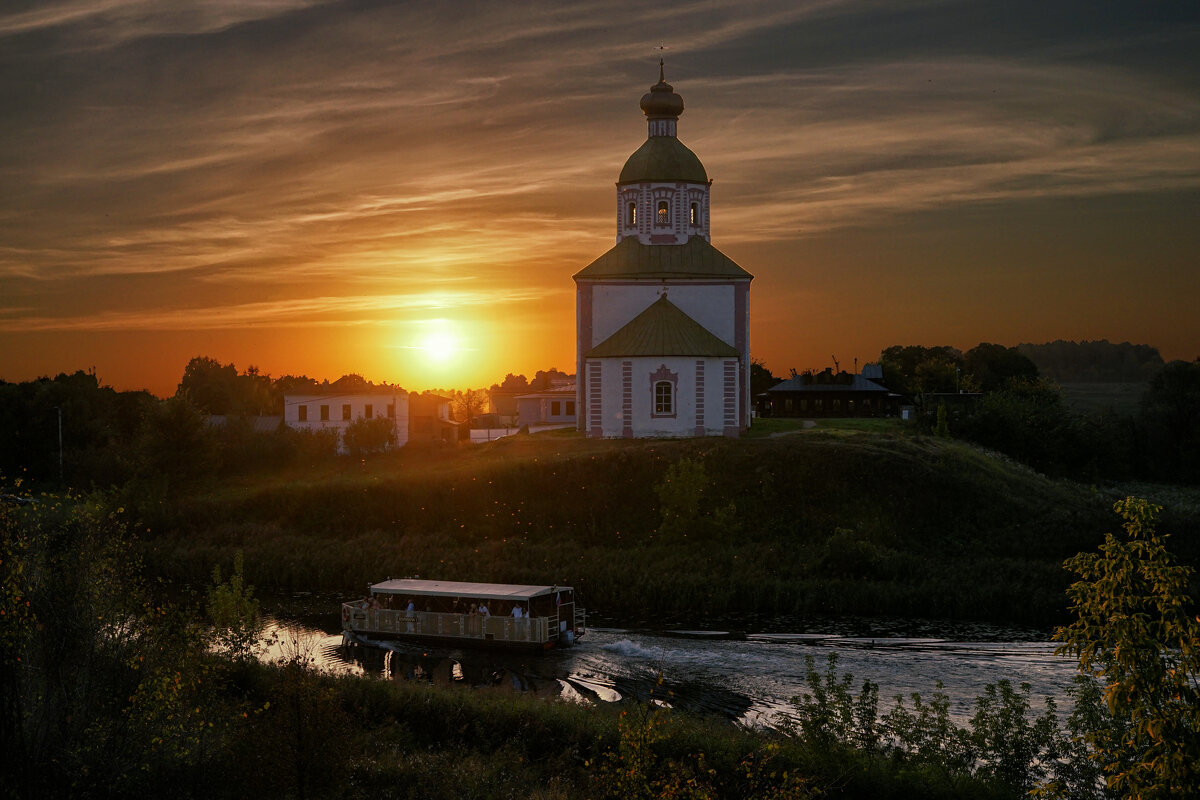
(440, 347)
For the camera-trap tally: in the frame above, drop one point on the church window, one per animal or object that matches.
(303, 413)
(555, 408)
(664, 213)
(391, 411)
(631, 216)
(346, 411)
(664, 398)
(695, 214)
(324, 413)
(369, 412)
(570, 408)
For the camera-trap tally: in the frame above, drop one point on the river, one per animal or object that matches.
(747, 677)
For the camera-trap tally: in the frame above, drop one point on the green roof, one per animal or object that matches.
(629, 258)
(663, 158)
(662, 330)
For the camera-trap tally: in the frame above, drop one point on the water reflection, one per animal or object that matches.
(744, 677)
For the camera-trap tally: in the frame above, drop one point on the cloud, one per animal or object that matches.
(308, 312)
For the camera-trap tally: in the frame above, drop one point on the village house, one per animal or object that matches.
(413, 417)
(829, 394)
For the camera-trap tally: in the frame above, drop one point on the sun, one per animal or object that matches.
(439, 347)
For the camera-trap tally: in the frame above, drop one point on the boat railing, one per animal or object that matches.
(447, 625)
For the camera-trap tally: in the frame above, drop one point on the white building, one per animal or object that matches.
(335, 412)
(663, 318)
(553, 406)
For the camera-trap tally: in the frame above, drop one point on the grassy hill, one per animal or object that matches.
(824, 520)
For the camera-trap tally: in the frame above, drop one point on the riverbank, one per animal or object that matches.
(822, 522)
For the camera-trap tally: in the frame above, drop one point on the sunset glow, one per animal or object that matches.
(404, 190)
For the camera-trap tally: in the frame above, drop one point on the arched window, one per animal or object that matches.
(631, 217)
(664, 213)
(664, 398)
(695, 214)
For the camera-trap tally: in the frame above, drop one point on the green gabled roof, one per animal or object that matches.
(663, 158)
(629, 258)
(662, 330)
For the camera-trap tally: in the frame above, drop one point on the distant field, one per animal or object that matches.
(1097, 397)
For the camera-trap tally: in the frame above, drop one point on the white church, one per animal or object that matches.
(663, 318)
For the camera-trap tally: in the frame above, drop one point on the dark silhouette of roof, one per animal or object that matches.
(629, 258)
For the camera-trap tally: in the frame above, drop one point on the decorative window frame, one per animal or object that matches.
(662, 375)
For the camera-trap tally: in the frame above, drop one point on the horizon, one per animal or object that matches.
(325, 189)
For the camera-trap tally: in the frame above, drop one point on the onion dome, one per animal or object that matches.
(661, 102)
(662, 158)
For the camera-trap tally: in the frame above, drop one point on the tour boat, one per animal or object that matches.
(465, 614)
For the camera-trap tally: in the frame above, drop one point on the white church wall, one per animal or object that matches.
(614, 305)
(640, 375)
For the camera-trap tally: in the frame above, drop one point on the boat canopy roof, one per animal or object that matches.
(505, 591)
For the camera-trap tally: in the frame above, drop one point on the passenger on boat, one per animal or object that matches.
(517, 612)
(484, 610)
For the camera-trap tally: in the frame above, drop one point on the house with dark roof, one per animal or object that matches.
(663, 321)
(829, 394)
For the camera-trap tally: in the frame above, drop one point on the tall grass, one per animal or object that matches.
(823, 522)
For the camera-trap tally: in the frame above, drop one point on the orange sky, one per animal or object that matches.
(404, 192)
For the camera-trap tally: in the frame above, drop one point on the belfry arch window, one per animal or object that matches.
(694, 217)
(631, 215)
(664, 213)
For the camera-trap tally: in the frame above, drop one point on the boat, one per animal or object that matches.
(458, 614)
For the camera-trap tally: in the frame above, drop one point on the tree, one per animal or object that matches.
(994, 365)
(1170, 418)
(364, 436)
(1136, 632)
(469, 404)
(761, 378)
(915, 370)
(210, 385)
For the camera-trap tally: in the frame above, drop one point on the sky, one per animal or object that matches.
(403, 190)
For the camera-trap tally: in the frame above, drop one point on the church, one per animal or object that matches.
(663, 318)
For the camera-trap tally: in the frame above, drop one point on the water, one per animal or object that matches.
(744, 677)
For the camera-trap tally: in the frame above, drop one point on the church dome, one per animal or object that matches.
(661, 100)
(663, 159)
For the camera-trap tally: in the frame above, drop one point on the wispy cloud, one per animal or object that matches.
(316, 312)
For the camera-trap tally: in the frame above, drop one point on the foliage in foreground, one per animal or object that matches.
(104, 693)
(1136, 631)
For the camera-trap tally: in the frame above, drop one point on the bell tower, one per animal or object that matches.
(662, 194)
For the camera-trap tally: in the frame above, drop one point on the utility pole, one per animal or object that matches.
(60, 458)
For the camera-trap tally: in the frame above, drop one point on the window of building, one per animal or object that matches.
(664, 213)
(837, 403)
(664, 398)
(570, 408)
(302, 413)
(346, 411)
(695, 214)
(391, 410)
(818, 403)
(369, 411)
(631, 215)
(555, 408)
(324, 413)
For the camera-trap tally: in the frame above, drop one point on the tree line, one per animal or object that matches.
(1017, 411)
